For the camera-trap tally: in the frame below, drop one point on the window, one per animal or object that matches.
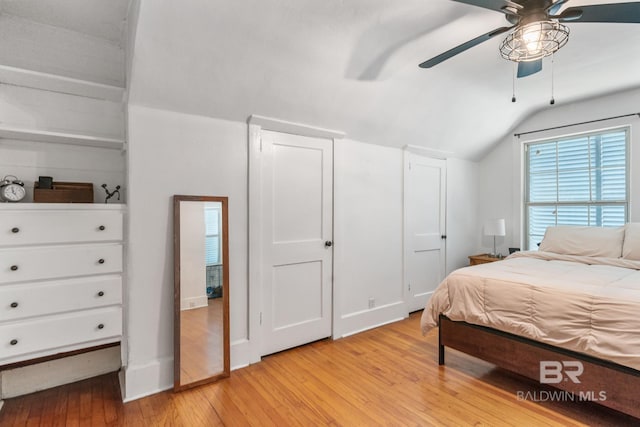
(212, 235)
(580, 180)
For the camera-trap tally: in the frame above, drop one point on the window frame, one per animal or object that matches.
(526, 204)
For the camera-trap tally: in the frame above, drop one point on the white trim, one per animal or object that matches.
(145, 380)
(360, 321)
(428, 152)
(255, 243)
(24, 134)
(156, 376)
(277, 125)
(194, 302)
(240, 354)
(54, 83)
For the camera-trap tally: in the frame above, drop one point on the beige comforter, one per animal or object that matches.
(589, 305)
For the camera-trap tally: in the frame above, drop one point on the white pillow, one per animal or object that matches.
(585, 241)
(631, 247)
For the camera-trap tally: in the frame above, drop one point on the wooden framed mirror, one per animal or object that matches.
(201, 293)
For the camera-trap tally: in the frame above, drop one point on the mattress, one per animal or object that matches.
(585, 304)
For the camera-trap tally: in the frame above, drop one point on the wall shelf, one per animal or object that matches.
(54, 83)
(11, 132)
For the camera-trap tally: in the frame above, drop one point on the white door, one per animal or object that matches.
(297, 198)
(425, 236)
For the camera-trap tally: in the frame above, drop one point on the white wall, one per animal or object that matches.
(462, 212)
(500, 192)
(172, 153)
(193, 287)
(368, 236)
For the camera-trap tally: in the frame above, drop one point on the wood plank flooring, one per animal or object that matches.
(202, 342)
(386, 376)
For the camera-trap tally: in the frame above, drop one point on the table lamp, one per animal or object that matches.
(494, 227)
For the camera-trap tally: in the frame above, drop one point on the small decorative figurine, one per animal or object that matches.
(110, 194)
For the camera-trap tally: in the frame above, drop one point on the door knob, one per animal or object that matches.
(328, 243)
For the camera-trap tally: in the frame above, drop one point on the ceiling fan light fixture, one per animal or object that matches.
(534, 41)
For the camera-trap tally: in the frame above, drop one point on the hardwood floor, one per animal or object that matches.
(386, 376)
(202, 342)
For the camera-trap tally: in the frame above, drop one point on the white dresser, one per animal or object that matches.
(60, 278)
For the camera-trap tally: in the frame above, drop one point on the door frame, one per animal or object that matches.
(256, 124)
(410, 153)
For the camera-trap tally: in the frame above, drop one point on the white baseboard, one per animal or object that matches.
(144, 380)
(41, 376)
(138, 381)
(360, 321)
(194, 302)
(240, 354)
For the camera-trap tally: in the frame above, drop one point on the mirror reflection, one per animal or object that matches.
(201, 290)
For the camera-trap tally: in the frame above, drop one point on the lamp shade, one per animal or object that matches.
(495, 227)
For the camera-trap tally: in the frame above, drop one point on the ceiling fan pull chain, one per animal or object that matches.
(553, 101)
(513, 82)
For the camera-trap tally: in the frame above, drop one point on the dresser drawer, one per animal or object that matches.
(56, 332)
(59, 226)
(29, 300)
(50, 262)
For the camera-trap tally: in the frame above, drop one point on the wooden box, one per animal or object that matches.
(64, 192)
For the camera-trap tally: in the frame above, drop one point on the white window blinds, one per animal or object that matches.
(580, 180)
(212, 235)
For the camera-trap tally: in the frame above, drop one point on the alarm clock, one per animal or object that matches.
(11, 189)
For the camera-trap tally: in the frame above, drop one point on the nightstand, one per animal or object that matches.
(482, 259)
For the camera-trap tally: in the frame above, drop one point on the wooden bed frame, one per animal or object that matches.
(620, 384)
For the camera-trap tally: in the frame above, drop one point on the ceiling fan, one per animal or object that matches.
(537, 30)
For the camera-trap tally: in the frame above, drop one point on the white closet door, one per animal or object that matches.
(425, 235)
(297, 197)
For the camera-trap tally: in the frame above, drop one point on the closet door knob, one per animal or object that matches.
(15, 230)
(101, 294)
(101, 261)
(14, 304)
(14, 268)
(328, 243)
(13, 342)
(101, 326)
(102, 228)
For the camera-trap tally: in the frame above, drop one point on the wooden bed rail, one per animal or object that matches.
(587, 378)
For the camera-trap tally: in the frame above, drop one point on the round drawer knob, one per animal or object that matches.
(101, 261)
(13, 342)
(14, 268)
(102, 228)
(101, 326)
(101, 293)
(14, 304)
(15, 230)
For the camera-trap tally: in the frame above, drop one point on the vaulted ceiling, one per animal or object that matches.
(348, 65)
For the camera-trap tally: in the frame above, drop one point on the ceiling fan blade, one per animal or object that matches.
(464, 46)
(497, 5)
(615, 13)
(555, 6)
(528, 68)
